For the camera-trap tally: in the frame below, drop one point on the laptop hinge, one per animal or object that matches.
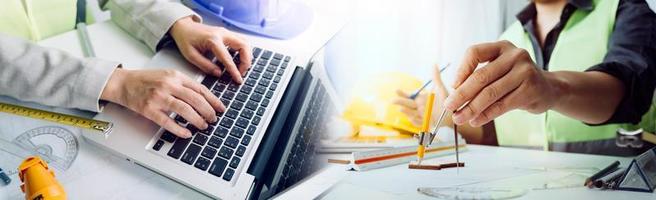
(264, 151)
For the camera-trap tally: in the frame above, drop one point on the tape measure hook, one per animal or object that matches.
(105, 129)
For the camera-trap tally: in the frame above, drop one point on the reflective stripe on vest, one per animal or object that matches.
(582, 43)
(38, 19)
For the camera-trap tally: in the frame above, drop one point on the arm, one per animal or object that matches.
(33, 73)
(511, 81)
(156, 93)
(151, 20)
(580, 93)
(619, 89)
(147, 20)
(631, 59)
(48, 76)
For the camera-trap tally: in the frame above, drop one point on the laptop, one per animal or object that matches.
(263, 144)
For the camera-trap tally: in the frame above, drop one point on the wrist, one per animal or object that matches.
(113, 88)
(560, 89)
(179, 26)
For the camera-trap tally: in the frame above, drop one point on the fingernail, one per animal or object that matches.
(474, 123)
(448, 101)
(457, 118)
(187, 134)
(216, 72)
(214, 119)
(205, 125)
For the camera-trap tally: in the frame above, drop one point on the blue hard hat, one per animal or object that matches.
(281, 19)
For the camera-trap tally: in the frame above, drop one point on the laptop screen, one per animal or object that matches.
(287, 153)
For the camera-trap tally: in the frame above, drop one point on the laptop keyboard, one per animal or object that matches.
(218, 150)
(301, 162)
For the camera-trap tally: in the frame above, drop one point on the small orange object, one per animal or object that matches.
(338, 161)
(38, 181)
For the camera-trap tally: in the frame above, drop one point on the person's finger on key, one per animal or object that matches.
(196, 41)
(156, 93)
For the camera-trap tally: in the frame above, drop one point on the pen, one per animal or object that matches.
(87, 48)
(416, 93)
(4, 178)
(81, 28)
(425, 126)
(606, 181)
(612, 183)
(589, 181)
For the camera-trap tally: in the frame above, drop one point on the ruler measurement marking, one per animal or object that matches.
(97, 125)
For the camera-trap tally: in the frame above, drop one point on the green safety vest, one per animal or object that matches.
(582, 43)
(38, 19)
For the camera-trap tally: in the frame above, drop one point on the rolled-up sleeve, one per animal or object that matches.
(631, 58)
(147, 20)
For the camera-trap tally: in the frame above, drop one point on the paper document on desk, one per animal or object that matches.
(84, 170)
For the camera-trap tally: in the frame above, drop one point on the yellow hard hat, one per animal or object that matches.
(371, 102)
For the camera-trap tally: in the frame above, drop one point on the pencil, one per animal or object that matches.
(593, 178)
(85, 41)
(605, 181)
(420, 153)
(425, 126)
(416, 93)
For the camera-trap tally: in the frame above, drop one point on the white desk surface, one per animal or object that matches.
(486, 166)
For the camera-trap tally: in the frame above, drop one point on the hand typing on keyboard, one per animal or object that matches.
(154, 93)
(195, 39)
(219, 148)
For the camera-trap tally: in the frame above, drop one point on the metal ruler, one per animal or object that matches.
(101, 126)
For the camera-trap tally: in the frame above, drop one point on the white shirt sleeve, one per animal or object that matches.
(30, 72)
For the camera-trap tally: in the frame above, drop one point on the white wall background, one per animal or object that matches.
(412, 35)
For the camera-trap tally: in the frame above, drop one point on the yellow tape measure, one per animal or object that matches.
(104, 127)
